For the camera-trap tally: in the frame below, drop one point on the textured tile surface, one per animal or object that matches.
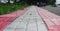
(30, 21)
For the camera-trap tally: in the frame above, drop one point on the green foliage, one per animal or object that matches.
(51, 2)
(8, 8)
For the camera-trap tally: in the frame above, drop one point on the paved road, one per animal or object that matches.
(30, 21)
(55, 10)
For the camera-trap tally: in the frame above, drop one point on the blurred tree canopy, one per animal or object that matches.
(50, 2)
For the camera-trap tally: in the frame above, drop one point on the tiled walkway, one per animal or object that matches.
(34, 19)
(51, 20)
(30, 21)
(6, 19)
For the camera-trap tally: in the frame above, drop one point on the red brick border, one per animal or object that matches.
(5, 20)
(51, 20)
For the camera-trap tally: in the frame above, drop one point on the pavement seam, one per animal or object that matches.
(41, 17)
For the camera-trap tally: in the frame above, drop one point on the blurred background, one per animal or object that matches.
(8, 6)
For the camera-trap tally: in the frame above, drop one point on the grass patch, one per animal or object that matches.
(8, 8)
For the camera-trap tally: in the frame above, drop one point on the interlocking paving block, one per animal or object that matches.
(5, 20)
(32, 27)
(30, 21)
(51, 20)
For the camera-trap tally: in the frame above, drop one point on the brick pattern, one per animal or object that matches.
(5, 20)
(30, 21)
(52, 21)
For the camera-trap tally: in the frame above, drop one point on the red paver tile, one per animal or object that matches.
(52, 21)
(5, 23)
(8, 18)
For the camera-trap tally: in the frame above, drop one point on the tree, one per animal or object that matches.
(51, 2)
(8, 1)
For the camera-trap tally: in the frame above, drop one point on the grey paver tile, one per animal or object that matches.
(32, 27)
(30, 21)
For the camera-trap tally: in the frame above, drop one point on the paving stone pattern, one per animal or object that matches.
(30, 21)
